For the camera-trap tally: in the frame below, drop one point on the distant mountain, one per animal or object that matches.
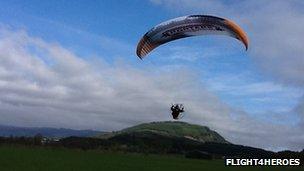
(193, 141)
(6, 131)
(171, 130)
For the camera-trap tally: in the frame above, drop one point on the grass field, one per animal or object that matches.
(44, 159)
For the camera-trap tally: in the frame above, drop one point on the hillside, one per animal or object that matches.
(171, 130)
(168, 137)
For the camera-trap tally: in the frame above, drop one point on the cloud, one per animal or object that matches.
(276, 49)
(254, 96)
(44, 84)
(274, 29)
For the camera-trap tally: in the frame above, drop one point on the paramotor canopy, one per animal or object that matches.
(187, 26)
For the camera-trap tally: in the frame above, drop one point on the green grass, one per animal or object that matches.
(13, 158)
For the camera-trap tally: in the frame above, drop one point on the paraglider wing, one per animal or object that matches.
(192, 25)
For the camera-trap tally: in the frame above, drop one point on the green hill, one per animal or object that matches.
(171, 129)
(176, 138)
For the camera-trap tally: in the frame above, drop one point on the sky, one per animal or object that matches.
(72, 64)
